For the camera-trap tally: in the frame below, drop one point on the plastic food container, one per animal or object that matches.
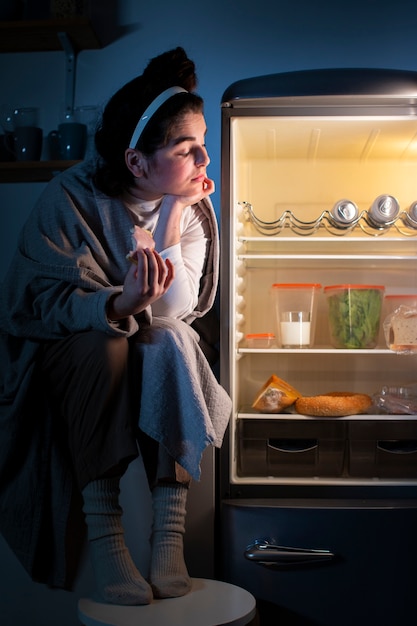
(260, 340)
(393, 301)
(354, 315)
(296, 313)
(400, 322)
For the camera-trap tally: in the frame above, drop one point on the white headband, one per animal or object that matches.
(154, 106)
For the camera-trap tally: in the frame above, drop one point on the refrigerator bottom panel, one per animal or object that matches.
(324, 562)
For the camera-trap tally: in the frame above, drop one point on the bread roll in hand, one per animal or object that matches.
(141, 239)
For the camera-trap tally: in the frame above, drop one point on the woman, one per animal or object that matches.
(98, 355)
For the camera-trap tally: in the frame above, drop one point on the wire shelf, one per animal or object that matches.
(403, 224)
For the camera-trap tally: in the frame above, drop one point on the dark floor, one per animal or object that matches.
(269, 614)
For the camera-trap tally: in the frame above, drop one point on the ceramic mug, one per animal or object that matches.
(7, 147)
(72, 140)
(25, 116)
(28, 143)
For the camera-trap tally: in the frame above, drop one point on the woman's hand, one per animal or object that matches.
(167, 231)
(207, 188)
(146, 281)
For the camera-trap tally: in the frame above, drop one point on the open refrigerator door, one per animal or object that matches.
(318, 196)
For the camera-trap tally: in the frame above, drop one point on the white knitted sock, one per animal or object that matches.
(168, 573)
(117, 578)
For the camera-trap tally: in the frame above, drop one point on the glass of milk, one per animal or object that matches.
(295, 329)
(296, 306)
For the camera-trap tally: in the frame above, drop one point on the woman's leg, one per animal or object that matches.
(169, 484)
(117, 579)
(86, 382)
(168, 572)
(87, 379)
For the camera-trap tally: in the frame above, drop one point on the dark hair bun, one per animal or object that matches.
(171, 68)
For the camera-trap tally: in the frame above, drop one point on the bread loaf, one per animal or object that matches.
(404, 332)
(333, 404)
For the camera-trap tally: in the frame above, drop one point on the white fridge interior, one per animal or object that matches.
(287, 161)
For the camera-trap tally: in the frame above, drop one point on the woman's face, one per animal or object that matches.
(178, 168)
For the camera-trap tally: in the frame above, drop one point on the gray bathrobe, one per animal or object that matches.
(59, 283)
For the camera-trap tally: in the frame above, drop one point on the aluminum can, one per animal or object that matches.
(411, 215)
(384, 209)
(344, 213)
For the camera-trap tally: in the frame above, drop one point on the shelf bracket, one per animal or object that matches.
(71, 60)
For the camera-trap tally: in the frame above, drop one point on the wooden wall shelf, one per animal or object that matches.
(32, 171)
(42, 35)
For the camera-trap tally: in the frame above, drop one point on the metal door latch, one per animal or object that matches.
(270, 555)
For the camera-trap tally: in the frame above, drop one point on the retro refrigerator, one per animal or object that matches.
(318, 514)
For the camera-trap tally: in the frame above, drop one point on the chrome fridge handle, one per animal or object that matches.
(271, 555)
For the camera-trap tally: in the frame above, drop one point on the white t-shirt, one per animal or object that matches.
(188, 257)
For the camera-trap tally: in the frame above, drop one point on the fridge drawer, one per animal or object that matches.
(290, 448)
(383, 449)
(367, 579)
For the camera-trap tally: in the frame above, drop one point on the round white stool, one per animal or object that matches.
(209, 603)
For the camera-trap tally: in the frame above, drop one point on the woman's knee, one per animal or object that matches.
(104, 352)
(91, 351)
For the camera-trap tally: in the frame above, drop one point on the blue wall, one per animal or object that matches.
(229, 40)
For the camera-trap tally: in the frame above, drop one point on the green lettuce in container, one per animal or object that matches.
(354, 315)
